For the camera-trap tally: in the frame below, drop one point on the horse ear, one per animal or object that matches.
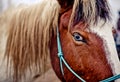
(65, 4)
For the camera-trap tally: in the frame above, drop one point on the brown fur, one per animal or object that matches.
(30, 32)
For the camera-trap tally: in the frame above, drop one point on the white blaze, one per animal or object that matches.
(105, 31)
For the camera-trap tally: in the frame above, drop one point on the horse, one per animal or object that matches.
(76, 35)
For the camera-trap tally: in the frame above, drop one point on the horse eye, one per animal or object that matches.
(78, 37)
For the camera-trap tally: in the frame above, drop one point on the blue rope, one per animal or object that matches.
(111, 78)
(59, 52)
(60, 55)
(70, 69)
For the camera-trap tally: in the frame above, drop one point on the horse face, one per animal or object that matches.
(87, 49)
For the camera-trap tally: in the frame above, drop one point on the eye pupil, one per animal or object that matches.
(77, 37)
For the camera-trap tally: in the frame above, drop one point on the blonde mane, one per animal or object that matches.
(30, 32)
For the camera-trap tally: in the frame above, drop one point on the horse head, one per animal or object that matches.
(86, 41)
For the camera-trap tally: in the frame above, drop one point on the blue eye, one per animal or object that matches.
(78, 37)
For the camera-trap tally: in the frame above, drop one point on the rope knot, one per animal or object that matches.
(60, 54)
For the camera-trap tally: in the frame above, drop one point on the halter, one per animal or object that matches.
(63, 61)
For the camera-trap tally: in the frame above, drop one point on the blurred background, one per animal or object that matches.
(115, 8)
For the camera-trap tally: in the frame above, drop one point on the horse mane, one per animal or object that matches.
(4, 18)
(89, 11)
(30, 32)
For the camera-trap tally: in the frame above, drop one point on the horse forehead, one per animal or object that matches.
(104, 30)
